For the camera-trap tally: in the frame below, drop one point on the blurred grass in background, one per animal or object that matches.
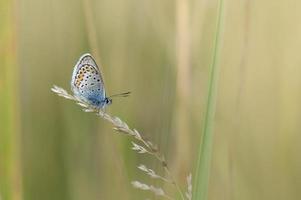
(10, 168)
(161, 51)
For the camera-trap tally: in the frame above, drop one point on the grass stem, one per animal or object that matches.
(200, 191)
(122, 127)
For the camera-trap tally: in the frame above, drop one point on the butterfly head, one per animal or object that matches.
(108, 101)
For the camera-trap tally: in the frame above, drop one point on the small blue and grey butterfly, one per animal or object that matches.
(88, 85)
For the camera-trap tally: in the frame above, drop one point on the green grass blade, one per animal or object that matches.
(200, 190)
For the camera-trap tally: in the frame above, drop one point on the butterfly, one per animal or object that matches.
(87, 83)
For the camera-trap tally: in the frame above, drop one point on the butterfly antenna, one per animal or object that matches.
(125, 94)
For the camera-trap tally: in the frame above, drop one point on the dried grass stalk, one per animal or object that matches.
(145, 147)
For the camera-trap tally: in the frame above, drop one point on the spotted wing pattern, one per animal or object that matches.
(87, 82)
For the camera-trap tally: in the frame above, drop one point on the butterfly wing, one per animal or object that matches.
(87, 82)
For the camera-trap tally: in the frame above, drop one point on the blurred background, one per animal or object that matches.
(161, 52)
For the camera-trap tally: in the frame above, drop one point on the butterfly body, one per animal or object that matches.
(87, 82)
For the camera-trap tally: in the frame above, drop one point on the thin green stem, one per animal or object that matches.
(200, 191)
(174, 182)
(164, 164)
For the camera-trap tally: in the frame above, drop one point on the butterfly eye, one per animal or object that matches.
(108, 101)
